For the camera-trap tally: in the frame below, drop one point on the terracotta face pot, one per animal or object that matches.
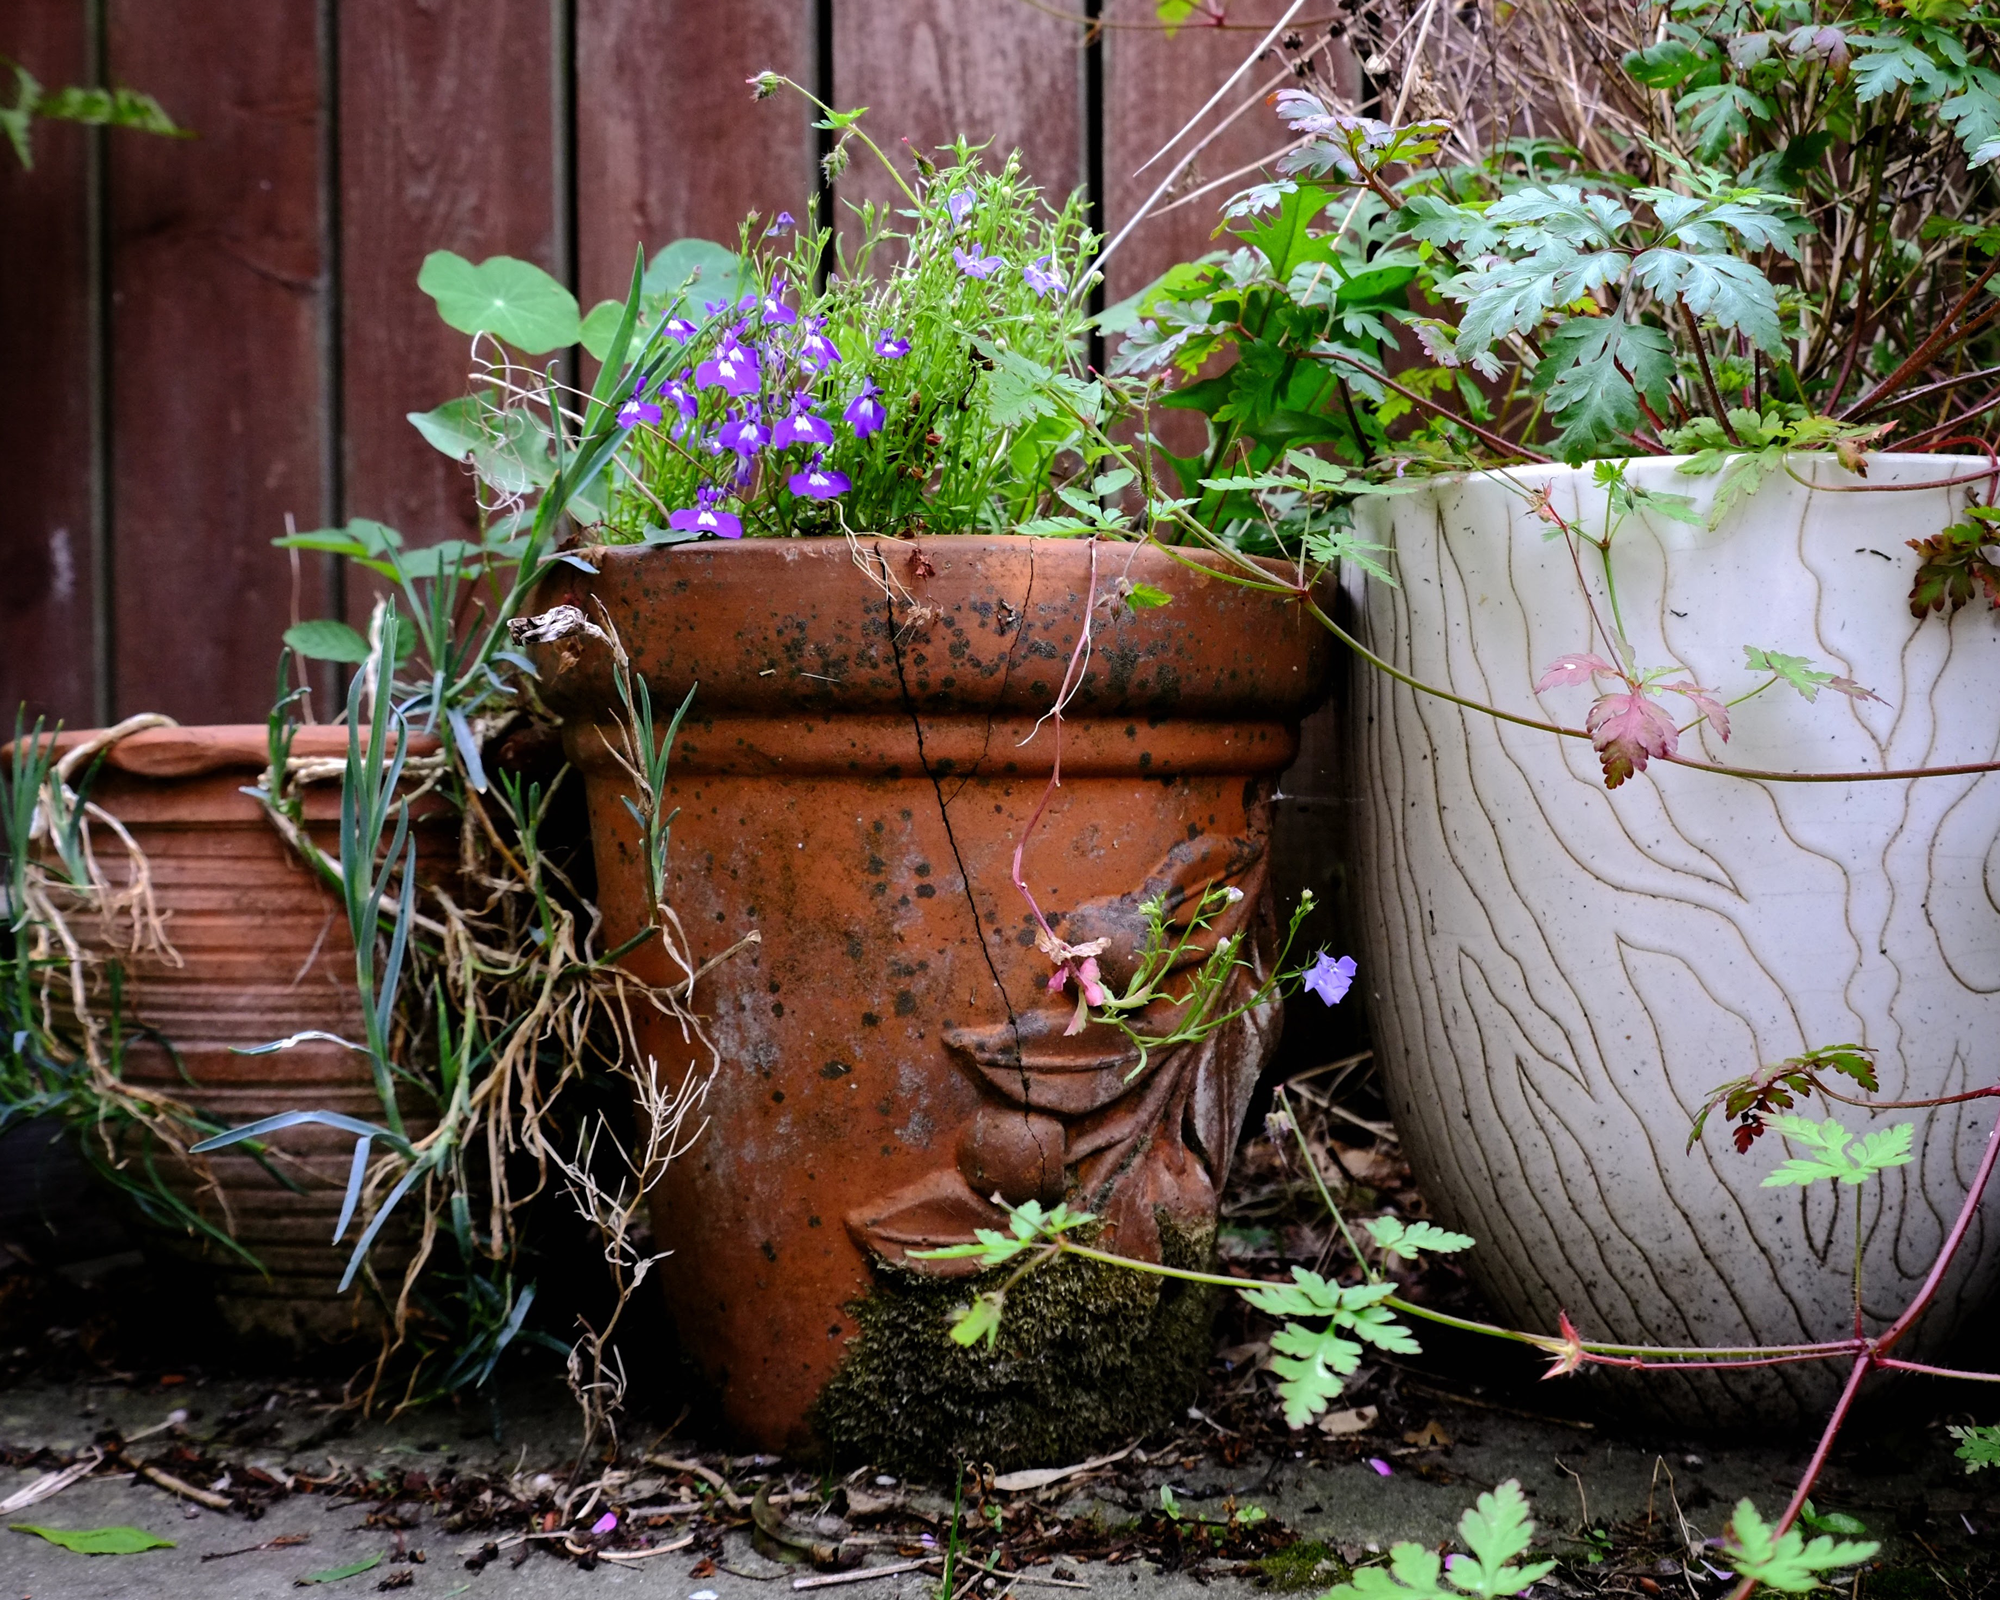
(263, 952)
(857, 770)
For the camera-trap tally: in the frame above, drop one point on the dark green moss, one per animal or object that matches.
(1088, 1356)
(1306, 1565)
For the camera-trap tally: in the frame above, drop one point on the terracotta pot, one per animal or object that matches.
(264, 952)
(1559, 975)
(852, 782)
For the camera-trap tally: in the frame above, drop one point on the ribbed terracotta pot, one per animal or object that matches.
(263, 952)
(858, 768)
(1559, 974)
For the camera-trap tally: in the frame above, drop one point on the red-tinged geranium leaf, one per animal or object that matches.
(1704, 701)
(1628, 731)
(1853, 690)
(1573, 669)
(1747, 1134)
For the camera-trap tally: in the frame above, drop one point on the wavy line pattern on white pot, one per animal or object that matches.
(1559, 973)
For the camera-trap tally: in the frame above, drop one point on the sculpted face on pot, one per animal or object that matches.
(858, 768)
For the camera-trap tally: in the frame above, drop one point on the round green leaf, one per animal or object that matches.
(511, 299)
(323, 639)
(693, 271)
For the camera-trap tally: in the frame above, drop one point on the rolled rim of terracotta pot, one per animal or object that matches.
(192, 752)
(964, 623)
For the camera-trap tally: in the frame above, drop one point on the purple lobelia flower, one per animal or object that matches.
(960, 206)
(683, 400)
(733, 367)
(1330, 979)
(702, 517)
(800, 426)
(679, 328)
(889, 347)
(743, 433)
(637, 410)
(975, 265)
(782, 223)
(816, 351)
(864, 413)
(1041, 277)
(819, 482)
(773, 306)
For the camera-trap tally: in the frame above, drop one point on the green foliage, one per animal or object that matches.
(1312, 1363)
(1731, 281)
(1978, 1446)
(93, 107)
(1027, 1224)
(1497, 1532)
(513, 300)
(1751, 1101)
(1954, 568)
(1408, 1240)
(327, 640)
(1787, 1561)
(1831, 1156)
(932, 384)
(98, 1541)
(1837, 1522)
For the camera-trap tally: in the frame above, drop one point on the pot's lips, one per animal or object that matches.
(221, 747)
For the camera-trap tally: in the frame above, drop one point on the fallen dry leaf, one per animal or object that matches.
(1355, 1419)
(1430, 1436)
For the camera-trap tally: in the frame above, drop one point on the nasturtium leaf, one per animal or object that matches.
(695, 272)
(600, 327)
(512, 299)
(353, 1569)
(324, 639)
(457, 427)
(98, 1541)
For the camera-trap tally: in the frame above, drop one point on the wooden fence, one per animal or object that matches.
(199, 338)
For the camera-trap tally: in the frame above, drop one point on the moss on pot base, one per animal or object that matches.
(1089, 1356)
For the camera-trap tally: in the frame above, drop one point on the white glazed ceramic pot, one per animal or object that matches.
(1558, 974)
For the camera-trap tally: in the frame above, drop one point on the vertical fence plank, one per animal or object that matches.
(45, 388)
(669, 143)
(216, 416)
(1152, 85)
(446, 143)
(932, 70)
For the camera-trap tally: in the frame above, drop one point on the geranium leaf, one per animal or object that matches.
(1628, 730)
(1786, 1561)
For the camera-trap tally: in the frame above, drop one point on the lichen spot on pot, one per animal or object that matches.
(1089, 1356)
